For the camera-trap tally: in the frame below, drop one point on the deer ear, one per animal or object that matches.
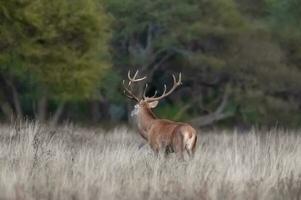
(153, 104)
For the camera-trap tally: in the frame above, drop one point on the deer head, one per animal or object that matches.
(144, 101)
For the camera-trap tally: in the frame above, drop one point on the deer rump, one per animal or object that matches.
(168, 137)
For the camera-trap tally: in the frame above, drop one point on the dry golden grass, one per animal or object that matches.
(38, 162)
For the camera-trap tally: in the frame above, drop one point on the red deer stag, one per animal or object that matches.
(162, 135)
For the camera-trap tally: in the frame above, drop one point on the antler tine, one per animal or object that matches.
(145, 90)
(164, 94)
(179, 82)
(165, 88)
(128, 92)
(155, 93)
(129, 77)
(136, 73)
(134, 79)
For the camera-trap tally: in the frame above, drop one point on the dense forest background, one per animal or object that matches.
(64, 60)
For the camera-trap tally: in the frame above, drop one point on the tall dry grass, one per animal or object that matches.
(38, 162)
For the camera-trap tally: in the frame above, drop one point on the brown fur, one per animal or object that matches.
(164, 135)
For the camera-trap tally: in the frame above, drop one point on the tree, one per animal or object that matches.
(60, 48)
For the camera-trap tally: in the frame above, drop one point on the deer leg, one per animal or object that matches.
(178, 145)
(190, 153)
(193, 148)
(162, 153)
(163, 149)
(157, 152)
(155, 148)
(189, 145)
(168, 150)
(180, 155)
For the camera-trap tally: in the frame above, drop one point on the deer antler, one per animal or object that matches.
(175, 85)
(127, 91)
(145, 90)
(134, 79)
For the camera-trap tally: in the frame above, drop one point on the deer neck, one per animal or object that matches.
(145, 119)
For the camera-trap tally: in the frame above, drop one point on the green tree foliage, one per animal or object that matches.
(156, 34)
(218, 45)
(284, 18)
(149, 31)
(60, 46)
(270, 56)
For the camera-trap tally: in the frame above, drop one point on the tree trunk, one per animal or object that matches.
(210, 119)
(7, 111)
(95, 111)
(217, 115)
(16, 99)
(42, 109)
(58, 113)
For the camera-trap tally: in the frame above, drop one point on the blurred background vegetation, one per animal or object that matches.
(64, 60)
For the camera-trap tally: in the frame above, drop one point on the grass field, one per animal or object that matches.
(38, 162)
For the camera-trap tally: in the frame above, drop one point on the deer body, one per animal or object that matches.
(162, 135)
